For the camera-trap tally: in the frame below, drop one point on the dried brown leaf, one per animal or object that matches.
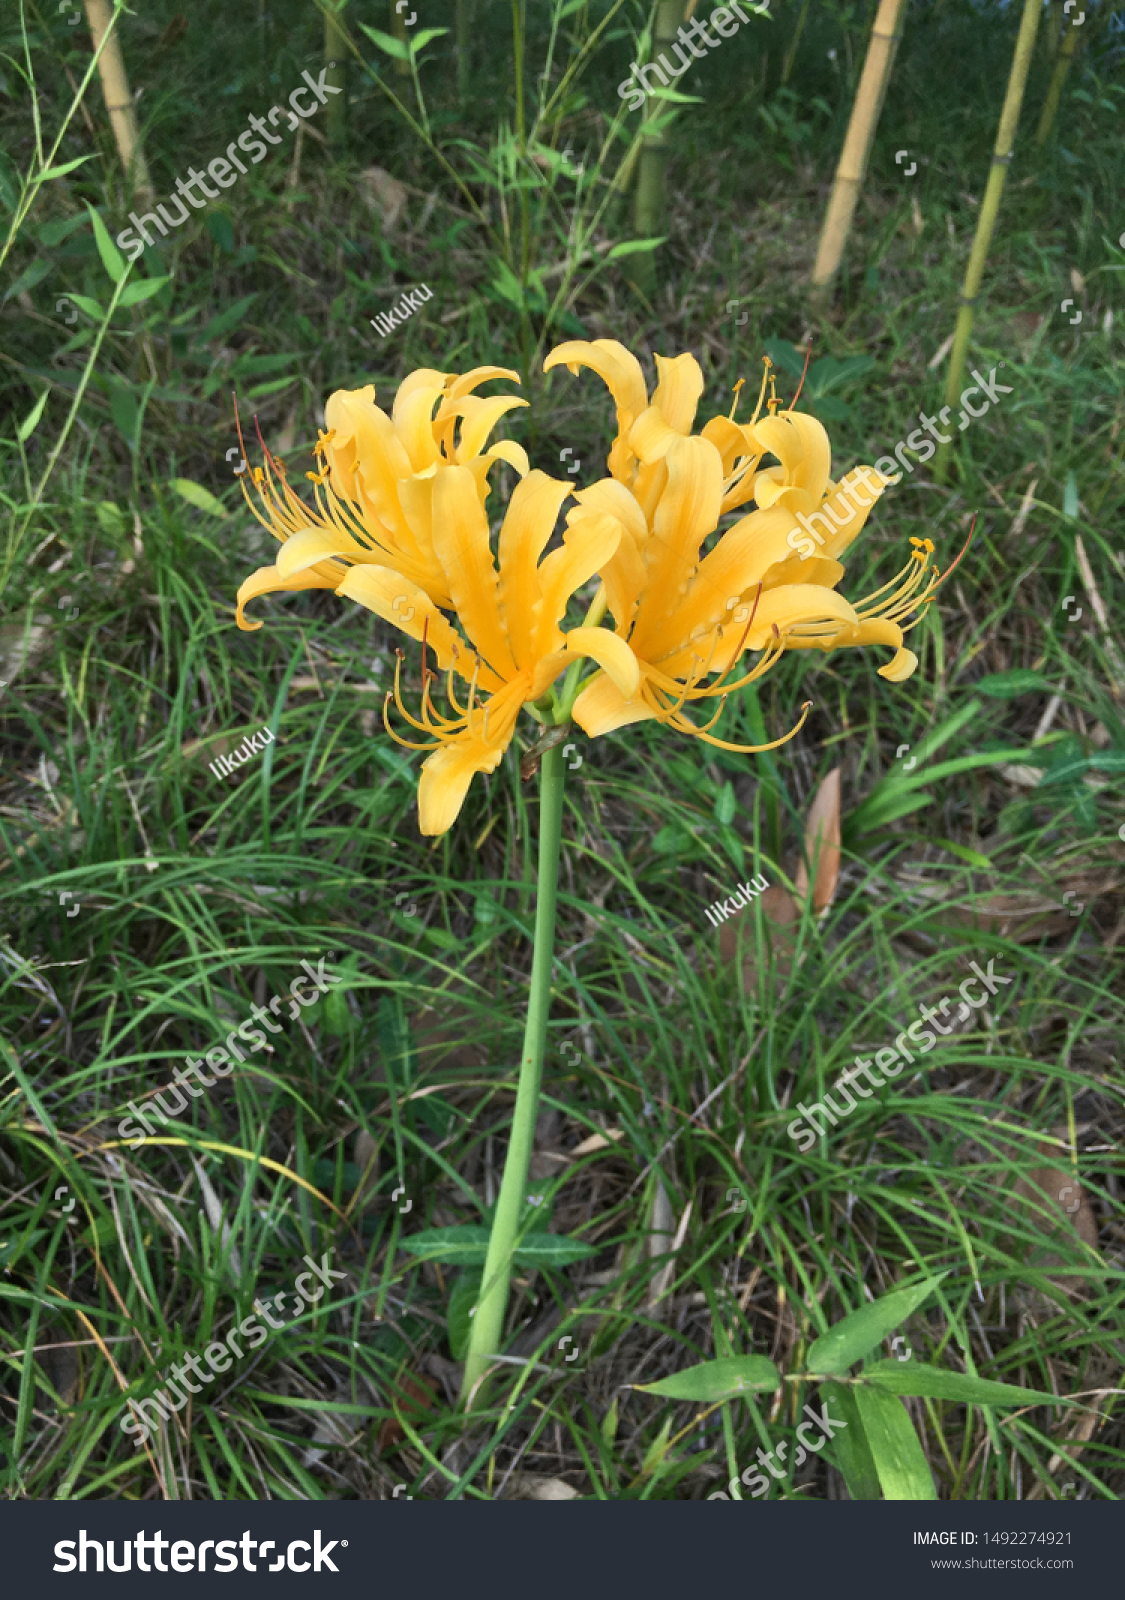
(822, 844)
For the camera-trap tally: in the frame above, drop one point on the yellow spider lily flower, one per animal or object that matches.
(373, 497)
(687, 615)
(646, 430)
(510, 612)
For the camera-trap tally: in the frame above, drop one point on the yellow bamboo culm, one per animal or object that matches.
(652, 161)
(990, 207)
(118, 100)
(876, 74)
(1058, 78)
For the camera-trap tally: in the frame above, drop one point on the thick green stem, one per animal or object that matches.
(488, 1319)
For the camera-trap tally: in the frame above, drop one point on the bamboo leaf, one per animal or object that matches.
(387, 43)
(899, 1461)
(29, 424)
(861, 1331)
(717, 1380)
(86, 304)
(142, 289)
(632, 247)
(112, 259)
(850, 1452)
(938, 1383)
(61, 171)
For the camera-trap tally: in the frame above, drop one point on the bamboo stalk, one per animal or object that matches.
(791, 53)
(118, 100)
(876, 74)
(652, 161)
(464, 50)
(398, 29)
(336, 51)
(1055, 88)
(990, 207)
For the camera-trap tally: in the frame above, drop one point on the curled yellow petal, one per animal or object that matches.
(267, 580)
(602, 708)
(901, 668)
(611, 653)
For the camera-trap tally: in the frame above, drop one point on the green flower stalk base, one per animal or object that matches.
(488, 1319)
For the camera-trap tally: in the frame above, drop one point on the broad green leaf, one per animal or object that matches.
(633, 247)
(849, 1451)
(112, 259)
(938, 1383)
(196, 495)
(467, 1245)
(551, 1250)
(1108, 761)
(863, 1330)
(421, 40)
(1007, 685)
(718, 1380)
(141, 289)
(90, 307)
(29, 424)
(389, 45)
(61, 172)
(904, 1473)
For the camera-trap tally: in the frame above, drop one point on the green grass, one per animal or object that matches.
(201, 896)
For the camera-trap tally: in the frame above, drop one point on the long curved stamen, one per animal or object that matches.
(749, 749)
(406, 744)
(910, 571)
(770, 657)
(734, 402)
(762, 390)
(950, 570)
(472, 697)
(673, 716)
(801, 385)
(423, 727)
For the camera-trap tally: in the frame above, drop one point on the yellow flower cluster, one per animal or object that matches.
(400, 526)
